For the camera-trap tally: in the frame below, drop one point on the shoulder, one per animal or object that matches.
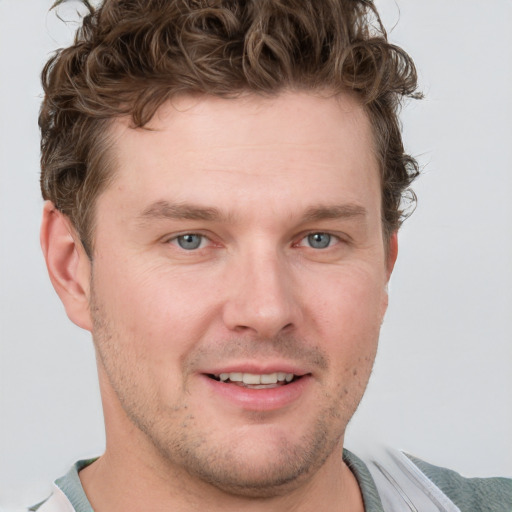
(57, 502)
(392, 481)
(469, 494)
(68, 494)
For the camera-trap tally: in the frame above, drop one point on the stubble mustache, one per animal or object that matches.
(283, 347)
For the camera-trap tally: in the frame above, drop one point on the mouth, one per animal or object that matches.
(255, 380)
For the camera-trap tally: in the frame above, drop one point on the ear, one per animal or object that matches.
(392, 253)
(68, 265)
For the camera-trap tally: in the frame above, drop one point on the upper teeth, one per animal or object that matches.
(252, 378)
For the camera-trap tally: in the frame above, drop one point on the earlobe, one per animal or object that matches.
(68, 265)
(392, 253)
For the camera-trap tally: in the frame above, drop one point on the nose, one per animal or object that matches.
(262, 297)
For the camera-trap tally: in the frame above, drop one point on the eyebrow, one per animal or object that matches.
(177, 211)
(346, 211)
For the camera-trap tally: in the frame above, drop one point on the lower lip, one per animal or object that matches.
(260, 399)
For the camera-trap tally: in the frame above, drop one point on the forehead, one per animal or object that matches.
(251, 147)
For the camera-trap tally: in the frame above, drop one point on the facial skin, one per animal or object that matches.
(237, 236)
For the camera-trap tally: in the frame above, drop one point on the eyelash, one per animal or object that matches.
(175, 240)
(331, 238)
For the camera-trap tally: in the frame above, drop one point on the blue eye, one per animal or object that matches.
(319, 240)
(190, 241)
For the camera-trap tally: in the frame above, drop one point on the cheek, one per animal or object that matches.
(153, 308)
(348, 312)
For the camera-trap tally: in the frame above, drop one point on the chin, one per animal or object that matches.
(256, 477)
(260, 462)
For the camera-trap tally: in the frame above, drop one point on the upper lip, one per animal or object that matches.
(257, 369)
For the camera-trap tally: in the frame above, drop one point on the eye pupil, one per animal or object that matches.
(189, 241)
(319, 240)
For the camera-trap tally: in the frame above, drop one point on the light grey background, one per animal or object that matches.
(442, 385)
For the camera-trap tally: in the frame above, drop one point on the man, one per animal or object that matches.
(223, 186)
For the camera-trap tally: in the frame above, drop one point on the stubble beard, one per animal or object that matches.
(189, 452)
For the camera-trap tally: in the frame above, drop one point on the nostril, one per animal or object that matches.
(242, 328)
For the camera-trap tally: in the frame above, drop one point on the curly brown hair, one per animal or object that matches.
(131, 56)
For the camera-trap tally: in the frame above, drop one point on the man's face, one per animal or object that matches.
(240, 240)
